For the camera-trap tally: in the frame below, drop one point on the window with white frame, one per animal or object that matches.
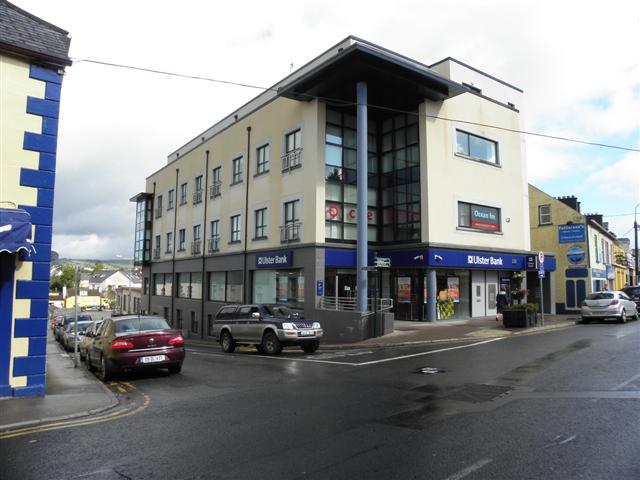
(169, 242)
(235, 229)
(170, 199)
(262, 159)
(476, 148)
(197, 194)
(544, 214)
(214, 241)
(293, 141)
(216, 182)
(236, 164)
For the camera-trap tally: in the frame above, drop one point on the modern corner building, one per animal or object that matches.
(361, 153)
(33, 55)
(586, 249)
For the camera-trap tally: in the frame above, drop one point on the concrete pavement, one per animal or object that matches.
(70, 393)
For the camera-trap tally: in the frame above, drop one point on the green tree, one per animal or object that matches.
(99, 266)
(65, 279)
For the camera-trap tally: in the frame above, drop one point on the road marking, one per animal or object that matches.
(128, 385)
(373, 362)
(470, 469)
(126, 412)
(362, 364)
(624, 384)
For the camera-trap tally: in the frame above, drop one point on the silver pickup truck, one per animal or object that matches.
(268, 327)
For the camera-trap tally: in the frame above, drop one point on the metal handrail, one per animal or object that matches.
(214, 190)
(159, 212)
(292, 159)
(351, 304)
(156, 253)
(197, 196)
(290, 232)
(212, 244)
(195, 247)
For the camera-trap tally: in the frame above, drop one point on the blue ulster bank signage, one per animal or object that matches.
(275, 260)
(470, 259)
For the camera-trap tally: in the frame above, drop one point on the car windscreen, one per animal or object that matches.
(600, 296)
(279, 310)
(140, 324)
(82, 327)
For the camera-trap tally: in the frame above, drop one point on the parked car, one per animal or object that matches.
(608, 304)
(133, 342)
(59, 328)
(87, 339)
(634, 294)
(268, 327)
(69, 334)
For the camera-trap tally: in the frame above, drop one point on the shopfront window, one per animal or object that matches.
(279, 286)
(234, 286)
(453, 294)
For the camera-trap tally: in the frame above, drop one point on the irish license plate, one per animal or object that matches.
(153, 359)
(307, 333)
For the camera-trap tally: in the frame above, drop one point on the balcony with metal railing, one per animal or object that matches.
(290, 232)
(214, 244)
(197, 197)
(196, 247)
(215, 190)
(292, 160)
(159, 212)
(156, 253)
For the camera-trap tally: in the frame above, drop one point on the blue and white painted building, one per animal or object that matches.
(33, 56)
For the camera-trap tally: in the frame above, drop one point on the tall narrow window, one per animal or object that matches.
(214, 241)
(169, 242)
(236, 170)
(156, 248)
(182, 239)
(183, 194)
(235, 229)
(171, 199)
(291, 228)
(197, 194)
(216, 182)
(262, 159)
(159, 206)
(544, 214)
(195, 245)
(260, 224)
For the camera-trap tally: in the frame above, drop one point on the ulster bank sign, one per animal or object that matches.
(485, 261)
(440, 257)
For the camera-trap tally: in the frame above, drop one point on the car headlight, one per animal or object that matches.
(316, 325)
(288, 326)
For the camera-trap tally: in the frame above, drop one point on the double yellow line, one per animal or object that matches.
(125, 412)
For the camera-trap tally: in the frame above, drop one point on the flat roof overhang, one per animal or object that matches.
(393, 81)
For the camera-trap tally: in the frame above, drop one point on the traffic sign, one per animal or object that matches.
(541, 273)
(541, 257)
(382, 262)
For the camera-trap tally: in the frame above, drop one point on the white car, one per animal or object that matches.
(608, 304)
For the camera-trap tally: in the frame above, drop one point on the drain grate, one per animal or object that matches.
(478, 393)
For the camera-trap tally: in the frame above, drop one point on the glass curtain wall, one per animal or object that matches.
(393, 196)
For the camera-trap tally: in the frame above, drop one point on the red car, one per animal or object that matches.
(133, 342)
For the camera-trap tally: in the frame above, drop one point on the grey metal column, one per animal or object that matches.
(362, 164)
(432, 293)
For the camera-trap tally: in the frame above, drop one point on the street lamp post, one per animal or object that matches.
(635, 234)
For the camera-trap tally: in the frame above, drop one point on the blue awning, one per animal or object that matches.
(15, 231)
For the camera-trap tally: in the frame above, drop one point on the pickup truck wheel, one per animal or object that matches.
(260, 349)
(310, 347)
(227, 343)
(270, 344)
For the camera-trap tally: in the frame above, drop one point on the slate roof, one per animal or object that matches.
(27, 35)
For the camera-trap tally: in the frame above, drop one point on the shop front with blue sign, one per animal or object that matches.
(277, 280)
(465, 285)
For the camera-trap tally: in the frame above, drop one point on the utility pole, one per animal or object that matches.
(635, 234)
(75, 321)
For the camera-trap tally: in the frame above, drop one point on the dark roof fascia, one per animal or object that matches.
(47, 60)
(141, 196)
(477, 71)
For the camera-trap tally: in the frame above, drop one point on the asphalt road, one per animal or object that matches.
(559, 405)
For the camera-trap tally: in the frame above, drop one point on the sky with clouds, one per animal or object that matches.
(578, 63)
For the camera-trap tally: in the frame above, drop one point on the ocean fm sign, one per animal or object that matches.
(485, 218)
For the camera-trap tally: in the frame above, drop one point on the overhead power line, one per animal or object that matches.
(345, 103)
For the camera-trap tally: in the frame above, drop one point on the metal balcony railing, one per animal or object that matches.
(290, 232)
(215, 190)
(292, 159)
(197, 197)
(159, 212)
(156, 253)
(196, 247)
(351, 303)
(214, 244)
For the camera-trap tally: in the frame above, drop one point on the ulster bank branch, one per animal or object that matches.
(360, 153)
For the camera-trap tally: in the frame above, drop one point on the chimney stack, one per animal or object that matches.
(596, 217)
(570, 201)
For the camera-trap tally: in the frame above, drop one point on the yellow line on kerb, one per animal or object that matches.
(78, 423)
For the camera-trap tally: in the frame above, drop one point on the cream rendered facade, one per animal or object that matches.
(323, 265)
